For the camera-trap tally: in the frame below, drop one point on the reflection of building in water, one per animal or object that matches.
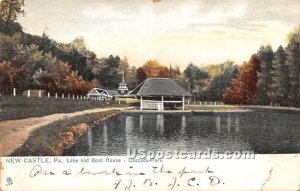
(237, 124)
(128, 130)
(183, 124)
(234, 125)
(228, 123)
(90, 138)
(141, 122)
(105, 139)
(160, 126)
(218, 124)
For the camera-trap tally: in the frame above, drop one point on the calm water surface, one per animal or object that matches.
(261, 132)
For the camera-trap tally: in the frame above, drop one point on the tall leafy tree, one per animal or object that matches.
(8, 74)
(108, 72)
(243, 89)
(265, 56)
(280, 77)
(8, 46)
(9, 11)
(221, 76)
(190, 73)
(152, 68)
(293, 60)
(164, 73)
(141, 75)
(196, 77)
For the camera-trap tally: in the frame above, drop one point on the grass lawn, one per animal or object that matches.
(212, 107)
(20, 107)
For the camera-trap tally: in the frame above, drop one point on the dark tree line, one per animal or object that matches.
(278, 76)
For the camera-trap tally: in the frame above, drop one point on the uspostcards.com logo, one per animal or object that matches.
(183, 154)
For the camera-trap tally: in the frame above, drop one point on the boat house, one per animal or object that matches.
(102, 94)
(105, 94)
(158, 93)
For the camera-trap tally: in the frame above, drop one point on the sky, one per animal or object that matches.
(175, 32)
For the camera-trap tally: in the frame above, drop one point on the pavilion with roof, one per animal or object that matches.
(157, 93)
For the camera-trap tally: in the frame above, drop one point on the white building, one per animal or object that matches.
(101, 94)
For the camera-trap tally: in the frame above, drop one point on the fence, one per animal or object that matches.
(147, 104)
(43, 93)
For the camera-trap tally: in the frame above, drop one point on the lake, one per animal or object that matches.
(261, 132)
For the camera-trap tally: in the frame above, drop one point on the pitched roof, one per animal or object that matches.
(112, 92)
(159, 87)
(95, 91)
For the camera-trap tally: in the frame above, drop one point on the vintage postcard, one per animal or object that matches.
(149, 95)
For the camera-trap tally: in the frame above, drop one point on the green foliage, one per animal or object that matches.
(280, 77)
(221, 76)
(8, 46)
(107, 72)
(209, 83)
(195, 76)
(78, 57)
(10, 9)
(265, 56)
(293, 61)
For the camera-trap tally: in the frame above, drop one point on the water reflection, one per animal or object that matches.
(160, 126)
(105, 137)
(183, 124)
(228, 123)
(237, 124)
(128, 130)
(218, 124)
(90, 138)
(262, 133)
(141, 122)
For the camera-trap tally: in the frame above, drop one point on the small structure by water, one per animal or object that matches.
(102, 94)
(106, 94)
(157, 93)
(123, 88)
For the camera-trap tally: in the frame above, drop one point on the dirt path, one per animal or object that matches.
(13, 133)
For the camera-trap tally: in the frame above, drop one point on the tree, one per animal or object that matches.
(107, 72)
(32, 60)
(190, 73)
(140, 75)
(293, 61)
(175, 72)
(280, 77)
(243, 89)
(10, 9)
(265, 56)
(8, 46)
(196, 77)
(221, 76)
(152, 68)
(131, 77)
(164, 73)
(77, 56)
(8, 73)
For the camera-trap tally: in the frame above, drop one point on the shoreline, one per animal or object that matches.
(184, 111)
(211, 109)
(27, 136)
(14, 133)
(54, 138)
